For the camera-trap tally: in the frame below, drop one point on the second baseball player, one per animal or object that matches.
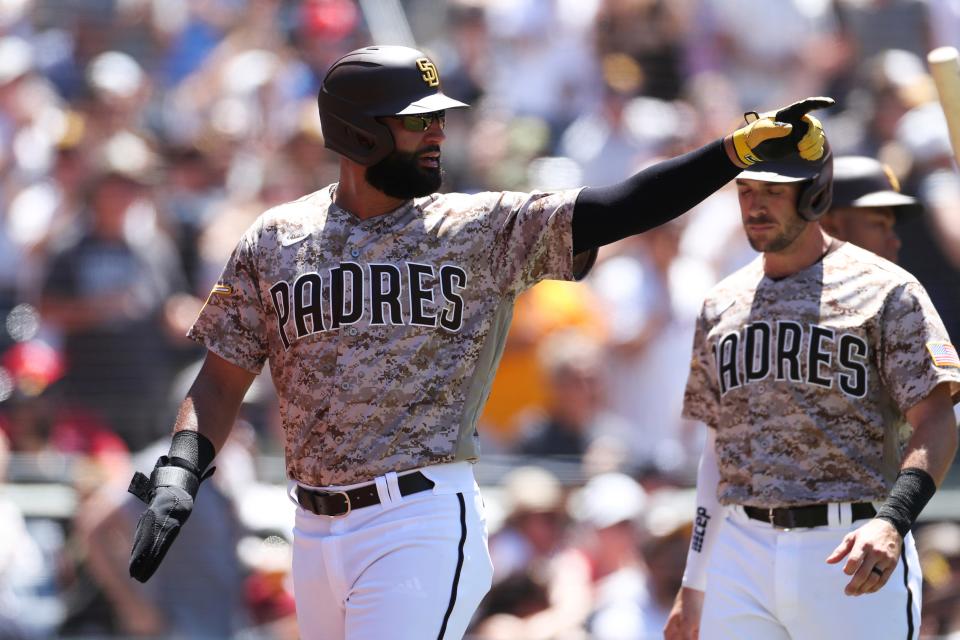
(825, 376)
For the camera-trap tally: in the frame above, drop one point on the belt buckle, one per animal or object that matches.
(346, 497)
(772, 519)
(315, 494)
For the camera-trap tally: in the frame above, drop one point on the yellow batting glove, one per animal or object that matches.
(787, 132)
(811, 144)
(748, 138)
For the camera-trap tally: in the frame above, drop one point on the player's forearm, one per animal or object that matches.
(934, 442)
(649, 198)
(925, 462)
(708, 518)
(211, 406)
(207, 412)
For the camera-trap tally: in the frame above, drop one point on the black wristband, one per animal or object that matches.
(910, 494)
(193, 449)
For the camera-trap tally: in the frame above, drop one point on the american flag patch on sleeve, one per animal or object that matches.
(943, 354)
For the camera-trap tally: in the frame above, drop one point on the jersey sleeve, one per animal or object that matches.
(533, 239)
(701, 399)
(233, 322)
(916, 353)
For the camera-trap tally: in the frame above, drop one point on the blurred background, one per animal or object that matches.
(140, 138)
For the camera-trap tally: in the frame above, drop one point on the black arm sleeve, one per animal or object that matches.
(656, 195)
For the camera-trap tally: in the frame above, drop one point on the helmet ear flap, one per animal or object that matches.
(373, 82)
(363, 139)
(817, 195)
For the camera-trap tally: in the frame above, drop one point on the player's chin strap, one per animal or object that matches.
(168, 472)
(910, 494)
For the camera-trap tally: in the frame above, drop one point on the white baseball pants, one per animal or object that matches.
(770, 584)
(410, 568)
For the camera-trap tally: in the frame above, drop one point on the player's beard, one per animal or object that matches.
(400, 175)
(790, 232)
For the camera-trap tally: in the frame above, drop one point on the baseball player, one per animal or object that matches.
(867, 204)
(825, 377)
(382, 308)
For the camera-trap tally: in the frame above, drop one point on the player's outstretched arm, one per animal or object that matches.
(873, 550)
(670, 188)
(204, 421)
(684, 620)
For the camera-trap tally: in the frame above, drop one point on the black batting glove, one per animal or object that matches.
(169, 493)
(785, 133)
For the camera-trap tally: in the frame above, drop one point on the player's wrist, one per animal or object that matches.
(729, 145)
(911, 492)
(191, 450)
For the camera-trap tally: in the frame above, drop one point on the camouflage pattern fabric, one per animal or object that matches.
(806, 379)
(383, 334)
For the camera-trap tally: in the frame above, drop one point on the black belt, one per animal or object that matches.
(339, 503)
(814, 515)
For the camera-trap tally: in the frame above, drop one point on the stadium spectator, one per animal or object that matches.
(574, 418)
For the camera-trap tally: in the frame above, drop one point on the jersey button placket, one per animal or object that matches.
(347, 382)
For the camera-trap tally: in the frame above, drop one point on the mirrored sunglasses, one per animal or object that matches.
(422, 121)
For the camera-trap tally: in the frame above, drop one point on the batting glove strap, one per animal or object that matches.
(168, 472)
(140, 486)
(176, 477)
(910, 494)
(749, 141)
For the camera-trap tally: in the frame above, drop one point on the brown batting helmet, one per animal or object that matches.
(370, 83)
(816, 192)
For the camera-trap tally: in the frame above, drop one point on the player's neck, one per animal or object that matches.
(355, 195)
(809, 248)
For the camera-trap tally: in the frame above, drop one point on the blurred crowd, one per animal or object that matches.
(140, 138)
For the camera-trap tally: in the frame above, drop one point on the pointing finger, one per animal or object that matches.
(797, 110)
(842, 549)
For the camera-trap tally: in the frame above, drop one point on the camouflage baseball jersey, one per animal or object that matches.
(383, 335)
(806, 379)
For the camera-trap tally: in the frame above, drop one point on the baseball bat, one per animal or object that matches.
(945, 69)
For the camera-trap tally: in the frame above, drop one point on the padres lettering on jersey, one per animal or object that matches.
(353, 292)
(383, 334)
(806, 379)
(761, 351)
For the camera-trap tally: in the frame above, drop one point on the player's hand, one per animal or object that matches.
(872, 553)
(684, 620)
(790, 131)
(169, 493)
